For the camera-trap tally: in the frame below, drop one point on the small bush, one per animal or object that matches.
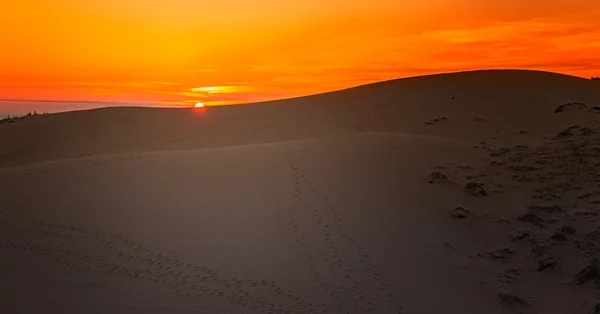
(595, 78)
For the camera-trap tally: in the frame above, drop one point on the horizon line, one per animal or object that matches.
(350, 87)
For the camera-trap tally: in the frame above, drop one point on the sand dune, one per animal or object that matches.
(456, 193)
(506, 101)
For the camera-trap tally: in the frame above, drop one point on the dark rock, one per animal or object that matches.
(576, 130)
(590, 272)
(512, 300)
(593, 235)
(546, 196)
(500, 152)
(567, 230)
(568, 132)
(523, 179)
(586, 213)
(547, 208)
(587, 131)
(549, 262)
(564, 134)
(539, 249)
(474, 189)
(460, 212)
(589, 248)
(533, 219)
(437, 177)
(585, 195)
(440, 119)
(450, 247)
(482, 145)
(570, 106)
(559, 236)
(520, 235)
(506, 278)
(523, 168)
(501, 254)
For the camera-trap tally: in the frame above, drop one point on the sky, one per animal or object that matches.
(68, 54)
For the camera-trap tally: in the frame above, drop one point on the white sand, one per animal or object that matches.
(318, 204)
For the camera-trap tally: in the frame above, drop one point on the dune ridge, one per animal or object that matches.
(398, 106)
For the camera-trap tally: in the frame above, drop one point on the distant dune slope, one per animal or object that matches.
(507, 100)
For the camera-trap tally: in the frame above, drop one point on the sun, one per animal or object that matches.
(199, 105)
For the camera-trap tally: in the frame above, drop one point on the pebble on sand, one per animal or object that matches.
(533, 219)
(512, 300)
(460, 213)
(437, 177)
(502, 254)
(520, 235)
(475, 189)
(570, 106)
(559, 236)
(549, 262)
(590, 272)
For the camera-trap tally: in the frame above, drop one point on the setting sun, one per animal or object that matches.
(113, 52)
(199, 105)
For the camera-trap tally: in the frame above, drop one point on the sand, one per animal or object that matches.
(472, 192)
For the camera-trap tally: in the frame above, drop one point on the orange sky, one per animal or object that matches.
(178, 52)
